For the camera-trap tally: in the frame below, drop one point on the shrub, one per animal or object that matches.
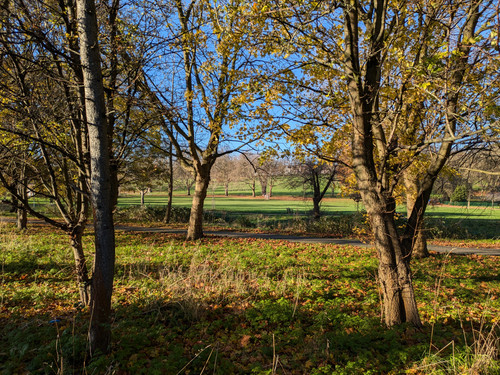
(460, 194)
(244, 222)
(151, 214)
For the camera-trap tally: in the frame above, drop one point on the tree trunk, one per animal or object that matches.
(142, 197)
(394, 270)
(363, 88)
(100, 184)
(21, 212)
(81, 272)
(195, 228)
(168, 213)
(226, 189)
(418, 248)
(22, 218)
(316, 207)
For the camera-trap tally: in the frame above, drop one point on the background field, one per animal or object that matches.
(444, 221)
(342, 216)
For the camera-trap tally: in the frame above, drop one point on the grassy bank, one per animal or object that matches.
(242, 306)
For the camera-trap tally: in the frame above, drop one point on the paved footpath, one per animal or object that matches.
(309, 239)
(288, 237)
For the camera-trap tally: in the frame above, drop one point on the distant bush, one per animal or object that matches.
(151, 214)
(180, 214)
(244, 222)
(5, 208)
(441, 228)
(138, 214)
(338, 226)
(460, 194)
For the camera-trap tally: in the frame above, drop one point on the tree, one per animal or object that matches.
(209, 47)
(247, 170)
(43, 130)
(146, 169)
(269, 170)
(100, 185)
(316, 174)
(184, 178)
(225, 171)
(391, 58)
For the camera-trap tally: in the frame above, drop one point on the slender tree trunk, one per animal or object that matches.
(168, 212)
(21, 212)
(142, 197)
(195, 228)
(81, 271)
(226, 189)
(100, 184)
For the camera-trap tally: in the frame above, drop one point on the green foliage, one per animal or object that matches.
(460, 194)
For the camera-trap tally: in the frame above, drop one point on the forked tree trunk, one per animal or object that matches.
(394, 272)
(81, 271)
(195, 228)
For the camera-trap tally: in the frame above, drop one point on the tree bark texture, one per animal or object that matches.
(100, 183)
(168, 212)
(22, 190)
(418, 247)
(195, 228)
(81, 271)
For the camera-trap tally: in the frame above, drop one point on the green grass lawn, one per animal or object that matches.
(247, 204)
(220, 306)
(444, 221)
(283, 213)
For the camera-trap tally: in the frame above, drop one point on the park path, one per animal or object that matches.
(307, 239)
(287, 237)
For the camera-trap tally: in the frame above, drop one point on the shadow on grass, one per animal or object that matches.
(169, 336)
